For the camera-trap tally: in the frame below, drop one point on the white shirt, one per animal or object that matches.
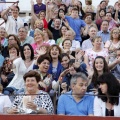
(12, 25)
(4, 102)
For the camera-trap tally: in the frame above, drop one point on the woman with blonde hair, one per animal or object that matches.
(113, 44)
(39, 39)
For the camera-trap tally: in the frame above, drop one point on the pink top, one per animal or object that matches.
(35, 46)
(92, 55)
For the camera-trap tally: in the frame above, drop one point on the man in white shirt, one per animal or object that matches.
(13, 22)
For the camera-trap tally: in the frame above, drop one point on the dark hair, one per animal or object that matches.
(61, 30)
(42, 58)
(64, 55)
(102, 10)
(65, 41)
(59, 12)
(60, 51)
(113, 90)
(18, 8)
(32, 51)
(102, 1)
(14, 46)
(64, 7)
(109, 12)
(32, 73)
(15, 37)
(105, 21)
(75, 8)
(88, 14)
(95, 74)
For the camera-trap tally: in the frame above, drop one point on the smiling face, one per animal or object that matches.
(42, 15)
(97, 42)
(44, 66)
(38, 37)
(54, 52)
(11, 40)
(13, 51)
(65, 61)
(67, 44)
(15, 12)
(27, 51)
(99, 64)
(31, 84)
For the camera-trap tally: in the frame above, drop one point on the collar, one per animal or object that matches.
(105, 32)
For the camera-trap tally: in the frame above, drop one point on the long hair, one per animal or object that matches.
(113, 88)
(95, 74)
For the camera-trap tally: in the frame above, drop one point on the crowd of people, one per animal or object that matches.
(68, 52)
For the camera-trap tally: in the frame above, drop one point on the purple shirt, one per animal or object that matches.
(38, 8)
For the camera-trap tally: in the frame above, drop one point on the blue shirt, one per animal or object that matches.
(76, 24)
(1, 60)
(104, 36)
(68, 106)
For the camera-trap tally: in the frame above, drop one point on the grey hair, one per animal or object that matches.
(76, 76)
(24, 29)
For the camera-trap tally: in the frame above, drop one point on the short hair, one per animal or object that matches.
(60, 51)
(39, 31)
(59, 12)
(76, 76)
(1, 88)
(95, 38)
(108, 12)
(65, 41)
(14, 46)
(105, 21)
(75, 8)
(32, 73)
(113, 88)
(18, 8)
(42, 58)
(22, 51)
(88, 14)
(15, 37)
(23, 28)
(64, 55)
(91, 27)
(102, 1)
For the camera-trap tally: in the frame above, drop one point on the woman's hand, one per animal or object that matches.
(31, 105)
(13, 110)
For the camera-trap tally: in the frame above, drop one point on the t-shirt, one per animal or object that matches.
(76, 24)
(38, 8)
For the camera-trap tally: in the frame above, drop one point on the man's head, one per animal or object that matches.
(57, 23)
(15, 11)
(74, 12)
(39, 2)
(92, 32)
(108, 16)
(104, 26)
(22, 33)
(2, 32)
(79, 84)
(102, 4)
(69, 35)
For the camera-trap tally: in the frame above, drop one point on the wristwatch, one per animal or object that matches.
(37, 110)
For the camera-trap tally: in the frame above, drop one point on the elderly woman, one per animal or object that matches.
(5, 102)
(33, 100)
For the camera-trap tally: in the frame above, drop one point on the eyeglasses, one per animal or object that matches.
(21, 31)
(115, 32)
(11, 39)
